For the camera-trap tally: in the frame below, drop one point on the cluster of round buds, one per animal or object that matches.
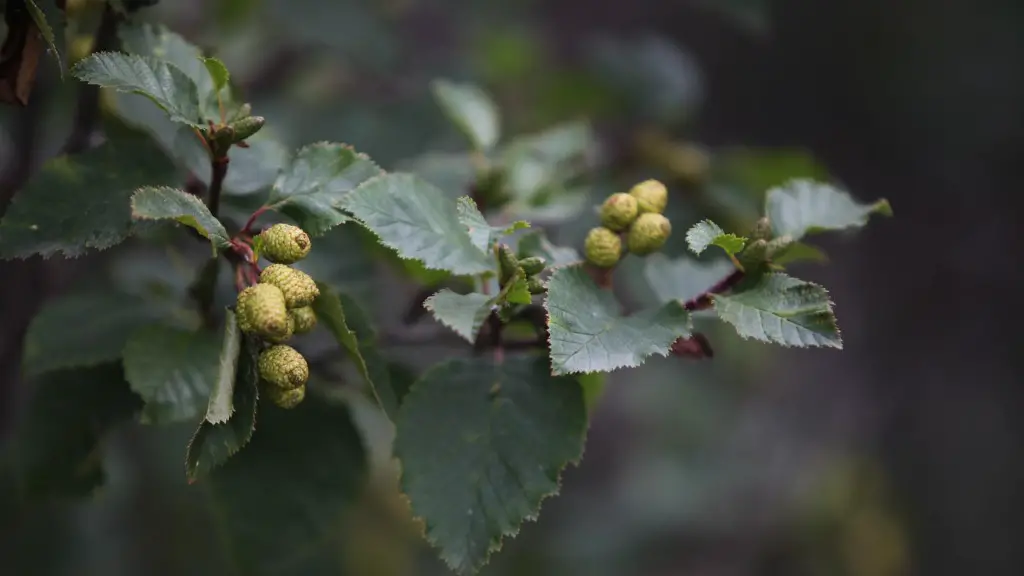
(277, 308)
(528, 269)
(638, 216)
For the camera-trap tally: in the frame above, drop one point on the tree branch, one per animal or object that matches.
(219, 170)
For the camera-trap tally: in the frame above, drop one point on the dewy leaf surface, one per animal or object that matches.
(463, 313)
(163, 83)
(783, 310)
(320, 176)
(481, 445)
(683, 278)
(165, 203)
(173, 370)
(802, 207)
(81, 202)
(707, 233)
(471, 110)
(418, 221)
(588, 334)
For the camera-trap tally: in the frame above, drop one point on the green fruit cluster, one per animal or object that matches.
(512, 267)
(638, 216)
(277, 308)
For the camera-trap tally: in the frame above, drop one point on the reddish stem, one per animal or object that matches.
(247, 229)
(703, 301)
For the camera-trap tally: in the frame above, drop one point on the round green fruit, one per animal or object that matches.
(602, 247)
(619, 211)
(298, 287)
(651, 196)
(648, 234)
(261, 310)
(284, 367)
(304, 318)
(286, 399)
(284, 243)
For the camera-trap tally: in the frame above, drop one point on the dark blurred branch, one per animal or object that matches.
(87, 107)
(703, 301)
(219, 170)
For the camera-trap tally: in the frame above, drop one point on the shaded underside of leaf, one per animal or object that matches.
(160, 81)
(166, 203)
(802, 207)
(221, 401)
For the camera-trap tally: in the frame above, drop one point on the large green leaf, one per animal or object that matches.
(173, 370)
(588, 333)
(481, 445)
(538, 161)
(84, 329)
(280, 504)
(707, 233)
(81, 202)
(57, 451)
(311, 188)
(358, 341)
(214, 443)
(682, 279)
(782, 310)
(221, 403)
(471, 110)
(484, 235)
(463, 313)
(163, 83)
(166, 203)
(418, 221)
(802, 207)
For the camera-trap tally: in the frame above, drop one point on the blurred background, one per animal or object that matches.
(899, 455)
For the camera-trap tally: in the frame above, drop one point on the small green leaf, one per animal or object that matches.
(81, 202)
(163, 83)
(802, 207)
(218, 73)
(221, 398)
(588, 334)
(535, 162)
(336, 312)
(57, 451)
(45, 31)
(483, 234)
(682, 279)
(213, 444)
(481, 445)
(173, 370)
(418, 221)
(519, 292)
(783, 310)
(707, 233)
(320, 176)
(471, 110)
(165, 203)
(463, 313)
(536, 243)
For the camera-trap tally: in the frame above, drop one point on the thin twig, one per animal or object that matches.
(703, 300)
(219, 170)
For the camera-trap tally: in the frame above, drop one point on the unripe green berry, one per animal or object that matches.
(602, 247)
(651, 196)
(762, 229)
(288, 335)
(247, 126)
(286, 399)
(648, 234)
(619, 211)
(305, 319)
(508, 264)
(298, 288)
(283, 366)
(261, 310)
(536, 286)
(284, 243)
(754, 253)
(533, 265)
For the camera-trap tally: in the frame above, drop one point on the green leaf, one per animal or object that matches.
(335, 311)
(213, 444)
(218, 73)
(802, 207)
(471, 110)
(221, 405)
(800, 252)
(463, 313)
(418, 221)
(588, 334)
(757, 170)
(45, 31)
(57, 450)
(484, 235)
(707, 233)
(452, 172)
(683, 278)
(548, 158)
(173, 370)
(165, 203)
(536, 243)
(783, 310)
(81, 202)
(100, 323)
(518, 293)
(320, 176)
(163, 83)
(481, 445)
(280, 504)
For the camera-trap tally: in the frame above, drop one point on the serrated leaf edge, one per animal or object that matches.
(319, 144)
(429, 305)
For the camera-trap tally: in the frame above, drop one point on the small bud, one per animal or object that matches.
(509, 264)
(619, 211)
(283, 366)
(536, 286)
(284, 243)
(298, 288)
(648, 234)
(304, 318)
(533, 265)
(762, 229)
(261, 310)
(286, 399)
(651, 196)
(754, 253)
(778, 246)
(243, 111)
(602, 247)
(246, 127)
